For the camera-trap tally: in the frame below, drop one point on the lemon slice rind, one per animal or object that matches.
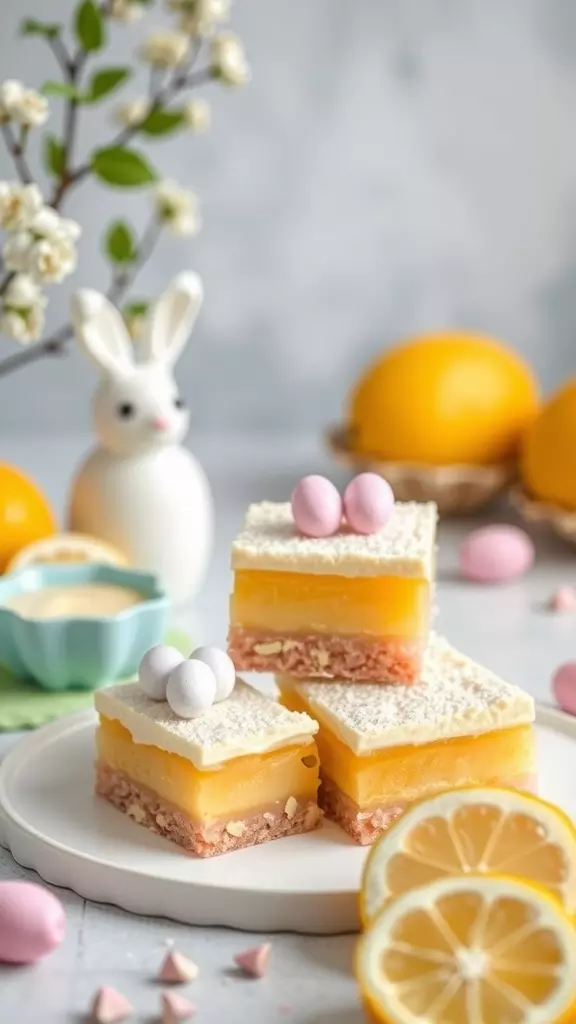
(559, 828)
(66, 548)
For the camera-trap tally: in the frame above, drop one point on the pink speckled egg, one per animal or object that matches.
(368, 503)
(494, 554)
(564, 687)
(316, 507)
(32, 922)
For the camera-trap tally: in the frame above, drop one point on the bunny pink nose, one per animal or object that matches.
(159, 423)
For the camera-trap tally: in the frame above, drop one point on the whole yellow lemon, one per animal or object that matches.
(548, 459)
(444, 399)
(25, 514)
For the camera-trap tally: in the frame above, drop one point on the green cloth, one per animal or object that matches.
(25, 706)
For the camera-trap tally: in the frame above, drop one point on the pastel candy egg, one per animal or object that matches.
(564, 687)
(191, 689)
(494, 554)
(368, 503)
(222, 667)
(316, 507)
(32, 922)
(155, 668)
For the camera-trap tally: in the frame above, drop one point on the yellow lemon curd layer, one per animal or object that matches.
(236, 789)
(407, 773)
(308, 603)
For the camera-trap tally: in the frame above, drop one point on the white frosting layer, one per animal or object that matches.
(456, 697)
(246, 723)
(403, 547)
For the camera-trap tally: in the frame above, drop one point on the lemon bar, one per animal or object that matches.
(382, 748)
(349, 606)
(243, 773)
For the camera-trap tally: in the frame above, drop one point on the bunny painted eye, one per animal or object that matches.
(126, 410)
(179, 403)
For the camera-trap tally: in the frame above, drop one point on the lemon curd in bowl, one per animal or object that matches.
(78, 626)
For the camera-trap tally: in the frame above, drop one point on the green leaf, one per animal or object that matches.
(104, 82)
(62, 89)
(32, 27)
(89, 26)
(162, 122)
(120, 245)
(54, 157)
(125, 168)
(136, 309)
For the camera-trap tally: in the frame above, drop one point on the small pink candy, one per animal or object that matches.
(494, 554)
(110, 1006)
(564, 687)
(368, 503)
(32, 922)
(175, 1008)
(176, 968)
(316, 507)
(563, 600)
(254, 961)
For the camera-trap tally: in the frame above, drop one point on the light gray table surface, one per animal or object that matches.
(310, 981)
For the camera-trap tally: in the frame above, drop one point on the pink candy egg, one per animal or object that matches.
(494, 554)
(564, 687)
(316, 507)
(32, 922)
(368, 503)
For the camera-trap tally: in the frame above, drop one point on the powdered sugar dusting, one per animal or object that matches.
(247, 722)
(403, 547)
(455, 697)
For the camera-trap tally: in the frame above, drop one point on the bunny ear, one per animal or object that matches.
(171, 319)
(101, 331)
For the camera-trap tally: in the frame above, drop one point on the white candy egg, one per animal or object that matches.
(222, 667)
(155, 667)
(191, 689)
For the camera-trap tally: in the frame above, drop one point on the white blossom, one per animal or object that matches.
(18, 205)
(31, 110)
(200, 17)
(22, 315)
(11, 92)
(197, 115)
(164, 49)
(229, 62)
(127, 11)
(177, 208)
(46, 250)
(132, 112)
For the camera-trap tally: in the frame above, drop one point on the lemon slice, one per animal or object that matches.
(486, 949)
(67, 547)
(484, 830)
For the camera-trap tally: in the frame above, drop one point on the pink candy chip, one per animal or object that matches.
(563, 600)
(316, 507)
(368, 503)
(494, 554)
(176, 1008)
(254, 961)
(564, 687)
(32, 922)
(110, 1006)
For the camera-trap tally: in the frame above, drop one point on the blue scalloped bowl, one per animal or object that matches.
(80, 653)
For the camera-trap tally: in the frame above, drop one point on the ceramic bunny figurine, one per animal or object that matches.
(140, 489)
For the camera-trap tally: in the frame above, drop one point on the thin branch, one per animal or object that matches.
(60, 52)
(73, 71)
(6, 281)
(16, 150)
(56, 344)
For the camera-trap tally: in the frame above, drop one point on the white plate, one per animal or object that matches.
(50, 821)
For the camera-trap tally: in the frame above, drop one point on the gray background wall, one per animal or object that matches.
(396, 165)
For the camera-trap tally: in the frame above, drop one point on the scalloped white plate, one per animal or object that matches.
(50, 821)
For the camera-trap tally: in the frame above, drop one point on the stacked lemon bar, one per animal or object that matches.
(343, 622)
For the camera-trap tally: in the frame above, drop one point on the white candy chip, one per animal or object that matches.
(191, 689)
(222, 667)
(155, 668)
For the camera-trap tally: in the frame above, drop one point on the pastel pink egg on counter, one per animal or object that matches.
(368, 503)
(32, 922)
(495, 554)
(564, 687)
(316, 507)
